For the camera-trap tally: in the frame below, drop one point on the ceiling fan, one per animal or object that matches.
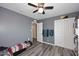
(40, 7)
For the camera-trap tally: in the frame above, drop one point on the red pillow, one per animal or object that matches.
(20, 46)
(10, 51)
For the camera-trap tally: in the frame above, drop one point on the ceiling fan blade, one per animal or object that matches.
(43, 12)
(32, 5)
(35, 11)
(49, 7)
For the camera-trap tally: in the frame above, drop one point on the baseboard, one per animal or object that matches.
(56, 45)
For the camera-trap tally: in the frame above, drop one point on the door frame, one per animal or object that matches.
(32, 31)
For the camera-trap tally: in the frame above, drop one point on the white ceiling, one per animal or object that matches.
(59, 9)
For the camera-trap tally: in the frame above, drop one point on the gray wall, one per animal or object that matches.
(49, 24)
(14, 28)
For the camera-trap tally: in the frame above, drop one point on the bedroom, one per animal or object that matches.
(49, 37)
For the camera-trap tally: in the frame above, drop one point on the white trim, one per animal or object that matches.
(48, 43)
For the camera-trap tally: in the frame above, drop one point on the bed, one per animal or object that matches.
(15, 50)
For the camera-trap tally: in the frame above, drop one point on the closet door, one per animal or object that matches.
(64, 33)
(69, 33)
(39, 32)
(59, 32)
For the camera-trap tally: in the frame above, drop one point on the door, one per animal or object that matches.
(39, 32)
(59, 32)
(64, 33)
(69, 33)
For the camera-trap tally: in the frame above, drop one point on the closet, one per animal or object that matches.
(64, 33)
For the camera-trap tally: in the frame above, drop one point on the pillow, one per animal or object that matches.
(11, 50)
(24, 45)
(20, 46)
(16, 48)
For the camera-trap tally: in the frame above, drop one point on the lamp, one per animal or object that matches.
(40, 10)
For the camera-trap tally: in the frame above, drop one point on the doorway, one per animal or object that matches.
(34, 32)
(37, 29)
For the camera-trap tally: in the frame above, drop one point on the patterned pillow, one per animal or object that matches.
(20, 46)
(10, 51)
(16, 48)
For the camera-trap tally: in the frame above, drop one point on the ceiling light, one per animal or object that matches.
(40, 10)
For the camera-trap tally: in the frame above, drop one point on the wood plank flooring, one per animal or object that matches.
(42, 49)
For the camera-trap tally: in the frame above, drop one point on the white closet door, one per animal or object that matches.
(64, 33)
(69, 33)
(59, 32)
(39, 32)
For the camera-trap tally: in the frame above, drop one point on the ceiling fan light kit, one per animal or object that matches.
(40, 7)
(40, 10)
